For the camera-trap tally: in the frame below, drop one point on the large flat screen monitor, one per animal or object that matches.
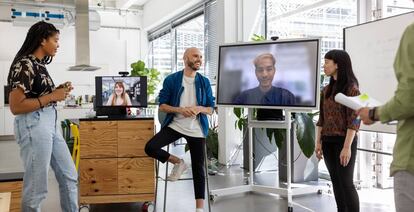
(276, 75)
(116, 91)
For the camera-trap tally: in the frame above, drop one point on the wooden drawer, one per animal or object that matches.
(98, 176)
(136, 175)
(132, 137)
(98, 139)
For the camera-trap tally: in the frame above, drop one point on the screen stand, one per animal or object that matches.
(112, 112)
(286, 190)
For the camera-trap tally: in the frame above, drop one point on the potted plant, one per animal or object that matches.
(152, 74)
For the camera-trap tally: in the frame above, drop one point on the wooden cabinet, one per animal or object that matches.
(113, 165)
(15, 188)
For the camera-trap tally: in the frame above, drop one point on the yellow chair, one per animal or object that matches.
(76, 144)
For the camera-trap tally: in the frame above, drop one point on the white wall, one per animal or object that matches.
(159, 11)
(112, 49)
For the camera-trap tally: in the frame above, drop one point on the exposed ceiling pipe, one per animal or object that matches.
(39, 4)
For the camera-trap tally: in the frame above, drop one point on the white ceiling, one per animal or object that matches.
(119, 4)
(113, 4)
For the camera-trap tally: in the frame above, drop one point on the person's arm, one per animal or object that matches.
(319, 124)
(186, 112)
(110, 99)
(401, 105)
(318, 147)
(128, 100)
(165, 96)
(210, 103)
(292, 98)
(20, 104)
(205, 110)
(353, 124)
(238, 100)
(346, 152)
(21, 81)
(321, 113)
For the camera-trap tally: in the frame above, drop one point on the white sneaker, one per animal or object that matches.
(199, 210)
(177, 171)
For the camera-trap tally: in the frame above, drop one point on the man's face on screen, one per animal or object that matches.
(265, 71)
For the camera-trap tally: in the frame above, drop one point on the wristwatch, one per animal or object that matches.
(371, 114)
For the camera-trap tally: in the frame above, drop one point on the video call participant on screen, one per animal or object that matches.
(265, 93)
(33, 101)
(336, 139)
(119, 97)
(400, 107)
(187, 104)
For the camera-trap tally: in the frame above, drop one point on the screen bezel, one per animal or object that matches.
(98, 89)
(293, 108)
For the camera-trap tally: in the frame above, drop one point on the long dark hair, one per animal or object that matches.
(39, 31)
(345, 75)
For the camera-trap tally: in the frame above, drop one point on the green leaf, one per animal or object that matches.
(257, 37)
(280, 137)
(240, 125)
(186, 148)
(269, 133)
(212, 143)
(237, 112)
(305, 133)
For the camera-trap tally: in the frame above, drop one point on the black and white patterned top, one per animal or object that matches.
(30, 74)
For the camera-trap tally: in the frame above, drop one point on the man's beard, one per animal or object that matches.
(192, 65)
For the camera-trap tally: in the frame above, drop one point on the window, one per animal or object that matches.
(190, 34)
(166, 51)
(395, 7)
(311, 18)
(160, 57)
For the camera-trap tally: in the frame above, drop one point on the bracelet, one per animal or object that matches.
(40, 103)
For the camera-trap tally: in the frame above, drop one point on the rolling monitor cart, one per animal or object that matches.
(281, 75)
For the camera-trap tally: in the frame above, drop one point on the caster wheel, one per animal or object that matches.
(84, 208)
(290, 209)
(213, 197)
(148, 207)
(319, 191)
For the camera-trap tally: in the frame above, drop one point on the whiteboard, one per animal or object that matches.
(372, 47)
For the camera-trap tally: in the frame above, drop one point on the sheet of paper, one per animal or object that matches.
(5, 201)
(356, 102)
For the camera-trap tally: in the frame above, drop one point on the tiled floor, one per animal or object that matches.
(180, 193)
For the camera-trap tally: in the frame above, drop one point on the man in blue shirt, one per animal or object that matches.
(187, 99)
(265, 93)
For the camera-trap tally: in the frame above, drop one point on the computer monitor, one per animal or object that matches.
(280, 74)
(115, 93)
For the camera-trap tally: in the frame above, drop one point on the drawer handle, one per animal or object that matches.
(90, 169)
(93, 181)
(96, 190)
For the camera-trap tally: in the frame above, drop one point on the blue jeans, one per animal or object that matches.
(42, 145)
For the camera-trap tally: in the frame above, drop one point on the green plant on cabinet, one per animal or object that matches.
(152, 74)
